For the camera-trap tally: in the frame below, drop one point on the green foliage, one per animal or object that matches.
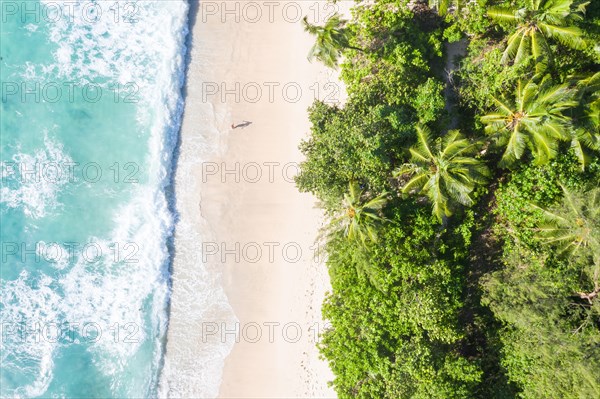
(486, 305)
(539, 185)
(472, 20)
(442, 5)
(429, 100)
(400, 339)
(350, 144)
(574, 226)
(533, 119)
(591, 28)
(552, 334)
(359, 216)
(395, 70)
(445, 169)
(482, 76)
(585, 135)
(550, 339)
(330, 39)
(536, 22)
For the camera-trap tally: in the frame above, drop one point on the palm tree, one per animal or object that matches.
(593, 113)
(359, 216)
(575, 224)
(331, 38)
(533, 120)
(588, 134)
(574, 229)
(357, 222)
(538, 21)
(444, 169)
(580, 140)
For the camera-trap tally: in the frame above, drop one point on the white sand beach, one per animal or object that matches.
(245, 275)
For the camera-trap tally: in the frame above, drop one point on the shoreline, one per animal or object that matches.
(223, 297)
(192, 365)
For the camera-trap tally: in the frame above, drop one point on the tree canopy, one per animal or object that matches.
(501, 143)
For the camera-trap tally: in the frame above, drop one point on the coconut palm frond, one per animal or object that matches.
(444, 169)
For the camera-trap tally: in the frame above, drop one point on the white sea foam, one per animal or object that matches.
(25, 187)
(24, 312)
(103, 294)
(193, 364)
(31, 27)
(149, 53)
(111, 294)
(54, 253)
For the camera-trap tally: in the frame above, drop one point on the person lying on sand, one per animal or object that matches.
(242, 125)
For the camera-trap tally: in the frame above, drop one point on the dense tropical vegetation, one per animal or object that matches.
(464, 198)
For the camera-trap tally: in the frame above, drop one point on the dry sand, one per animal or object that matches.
(241, 213)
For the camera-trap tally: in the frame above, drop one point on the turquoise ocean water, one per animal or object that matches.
(90, 111)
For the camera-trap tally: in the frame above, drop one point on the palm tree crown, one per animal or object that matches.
(331, 38)
(444, 169)
(574, 225)
(534, 120)
(574, 228)
(359, 216)
(538, 21)
(588, 134)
